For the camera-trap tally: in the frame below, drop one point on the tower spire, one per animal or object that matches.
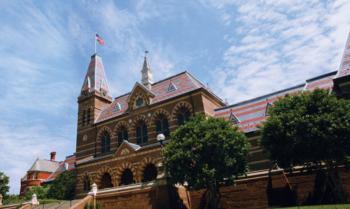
(95, 80)
(146, 73)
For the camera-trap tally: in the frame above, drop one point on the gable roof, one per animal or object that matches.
(44, 165)
(67, 165)
(252, 113)
(183, 81)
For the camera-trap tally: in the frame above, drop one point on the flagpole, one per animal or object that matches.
(95, 42)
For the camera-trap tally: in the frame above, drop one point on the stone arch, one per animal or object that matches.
(144, 163)
(180, 105)
(159, 113)
(104, 129)
(119, 125)
(120, 170)
(139, 118)
(83, 181)
(103, 170)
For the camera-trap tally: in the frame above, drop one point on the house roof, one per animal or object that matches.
(184, 82)
(67, 165)
(251, 113)
(44, 165)
(344, 68)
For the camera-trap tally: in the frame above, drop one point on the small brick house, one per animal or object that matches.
(44, 171)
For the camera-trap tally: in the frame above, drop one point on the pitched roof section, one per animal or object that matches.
(184, 83)
(252, 113)
(67, 165)
(344, 68)
(95, 79)
(44, 165)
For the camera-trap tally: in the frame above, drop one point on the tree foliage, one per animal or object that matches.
(206, 153)
(63, 187)
(40, 191)
(4, 184)
(308, 129)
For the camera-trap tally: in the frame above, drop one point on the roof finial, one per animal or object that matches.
(146, 73)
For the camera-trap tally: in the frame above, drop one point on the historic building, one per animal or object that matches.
(117, 137)
(44, 171)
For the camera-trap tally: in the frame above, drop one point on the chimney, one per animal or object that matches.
(53, 156)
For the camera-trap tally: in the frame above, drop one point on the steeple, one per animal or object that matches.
(342, 79)
(146, 73)
(95, 80)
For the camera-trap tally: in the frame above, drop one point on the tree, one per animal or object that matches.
(310, 129)
(4, 184)
(63, 187)
(40, 191)
(206, 153)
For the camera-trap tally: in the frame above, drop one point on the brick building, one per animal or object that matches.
(117, 145)
(44, 171)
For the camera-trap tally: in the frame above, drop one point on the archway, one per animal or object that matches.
(127, 177)
(106, 181)
(149, 173)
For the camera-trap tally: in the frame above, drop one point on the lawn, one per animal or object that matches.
(344, 206)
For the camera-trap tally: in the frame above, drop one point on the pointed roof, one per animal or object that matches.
(147, 78)
(44, 165)
(95, 79)
(344, 68)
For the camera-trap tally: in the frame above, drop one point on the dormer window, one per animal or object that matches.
(117, 107)
(234, 120)
(140, 102)
(171, 87)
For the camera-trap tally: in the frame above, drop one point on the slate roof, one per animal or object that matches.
(344, 68)
(252, 112)
(44, 165)
(67, 165)
(184, 83)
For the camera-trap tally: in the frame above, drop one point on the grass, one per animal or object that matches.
(342, 206)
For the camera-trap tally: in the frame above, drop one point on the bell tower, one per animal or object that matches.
(94, 94)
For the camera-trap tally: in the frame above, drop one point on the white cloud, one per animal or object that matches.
(278, 44)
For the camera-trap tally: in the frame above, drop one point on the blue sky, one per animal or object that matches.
(241, 48)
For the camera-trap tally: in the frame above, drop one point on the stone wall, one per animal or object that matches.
(252, 192)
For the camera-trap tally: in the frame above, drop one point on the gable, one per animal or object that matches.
(140, 96)
(126, 148)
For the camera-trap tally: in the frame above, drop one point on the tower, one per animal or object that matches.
(94, 94)
(146, 73)
(342, 79)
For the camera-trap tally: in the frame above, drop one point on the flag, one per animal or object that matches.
(99, 39)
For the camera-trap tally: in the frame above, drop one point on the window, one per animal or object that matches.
(141, 133)
(149, 173)
(139, 102)
(86, 184)
(233, 118)
(183, 116)
(122, 134)
(106, 181)
(268, 105)
(127, 177)
(117, 107)
(171, 87)
(105, 143)
(162, 125)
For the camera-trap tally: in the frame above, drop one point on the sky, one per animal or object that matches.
(239, 48)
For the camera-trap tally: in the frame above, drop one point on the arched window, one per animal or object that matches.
(122, 134)
(86, 184)
(127, 177)
(182, 116)
(106, 181)
(141, 133)
(105, 142)
(149, 173)
(162, 125)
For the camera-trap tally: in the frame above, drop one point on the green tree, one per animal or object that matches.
(206, 153)
(63, 187)
(40, 191)
(4, 184)
(310, 129)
